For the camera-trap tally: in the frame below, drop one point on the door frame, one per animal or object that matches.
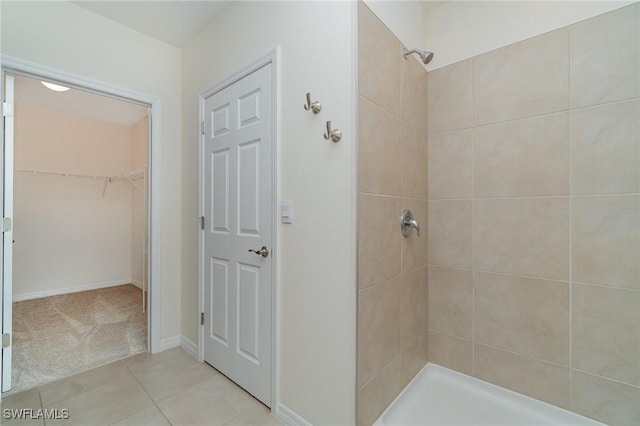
(19, 66)
(271, 57)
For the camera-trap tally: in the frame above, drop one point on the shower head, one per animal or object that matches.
(424, 55)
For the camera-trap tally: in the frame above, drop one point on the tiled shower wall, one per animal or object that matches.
(534, 217)
(392, 271)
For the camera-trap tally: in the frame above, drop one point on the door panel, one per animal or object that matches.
(238, 193)
(7, 237)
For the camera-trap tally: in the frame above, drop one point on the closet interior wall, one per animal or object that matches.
(73, 231)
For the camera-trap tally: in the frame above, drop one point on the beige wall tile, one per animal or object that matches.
(379, 61)
(538, 379)
(605, 57)
(413, 359)
(379, 328)
(605, 144)
(523, 236)
(414, 163)
(606, 332)
(451, 301)
(376, 395)
(523, 315)
(380, 150)
(450, 168)
(523, 157)
(414, 306)
(605, 400)
(451, 352)
(522, 80)
(606, 240)
(414, 94)
(450, 233)
(414, 248)
(379, 239)
(450, 93)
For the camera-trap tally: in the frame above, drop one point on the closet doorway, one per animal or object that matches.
(80, 230)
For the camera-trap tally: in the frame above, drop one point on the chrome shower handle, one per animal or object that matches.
(407, 222)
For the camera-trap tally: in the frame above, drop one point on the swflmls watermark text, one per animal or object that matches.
(30, 413)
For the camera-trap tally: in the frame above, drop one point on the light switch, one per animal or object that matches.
(286, 211)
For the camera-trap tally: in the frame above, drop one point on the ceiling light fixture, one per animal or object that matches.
(54, 87)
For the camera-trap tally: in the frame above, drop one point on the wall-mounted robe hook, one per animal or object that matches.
(314, 106)
(335, 134)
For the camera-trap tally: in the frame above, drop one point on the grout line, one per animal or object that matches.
(607, 378)
(509, 351)
(473, 221)
(564, 110)
(399, 197)
(527, 197)
(571, 112)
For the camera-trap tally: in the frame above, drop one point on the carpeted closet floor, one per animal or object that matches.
(57, 336)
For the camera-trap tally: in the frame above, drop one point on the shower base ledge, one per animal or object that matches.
(440, 396)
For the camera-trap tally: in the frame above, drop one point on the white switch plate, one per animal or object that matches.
(286, 211)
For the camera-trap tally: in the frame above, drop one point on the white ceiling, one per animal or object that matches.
(31, 91)
(173, 22)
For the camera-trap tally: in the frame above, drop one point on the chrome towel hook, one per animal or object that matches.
(335, 134)
(314, 106)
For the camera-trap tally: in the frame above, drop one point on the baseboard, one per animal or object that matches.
(67, 290)
(288, 417)
(169, 343)
(138, 284)
(189, 346)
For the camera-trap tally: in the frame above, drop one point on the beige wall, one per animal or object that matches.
(315, 255)
(69, 38)
(392, 273)
(534, 217)
(66, 233)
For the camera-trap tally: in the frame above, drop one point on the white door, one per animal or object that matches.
(7, 234)
(238, 187)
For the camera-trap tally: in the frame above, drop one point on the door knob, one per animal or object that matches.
(262, 252)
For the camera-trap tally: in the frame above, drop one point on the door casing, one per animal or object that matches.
(21, 67)
(270, 57)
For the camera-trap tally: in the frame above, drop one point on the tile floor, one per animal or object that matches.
(169, 388)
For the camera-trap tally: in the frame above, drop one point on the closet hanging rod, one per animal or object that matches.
(57, 174)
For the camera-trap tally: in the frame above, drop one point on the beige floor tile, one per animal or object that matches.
(174, 376)
(145, 360)
(81, 383)
(104, 405)
(29, 399)
(258, 416)
(151, 416)
(215, 402)
(25, 422)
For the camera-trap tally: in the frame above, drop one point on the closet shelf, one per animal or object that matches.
(134, 174)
